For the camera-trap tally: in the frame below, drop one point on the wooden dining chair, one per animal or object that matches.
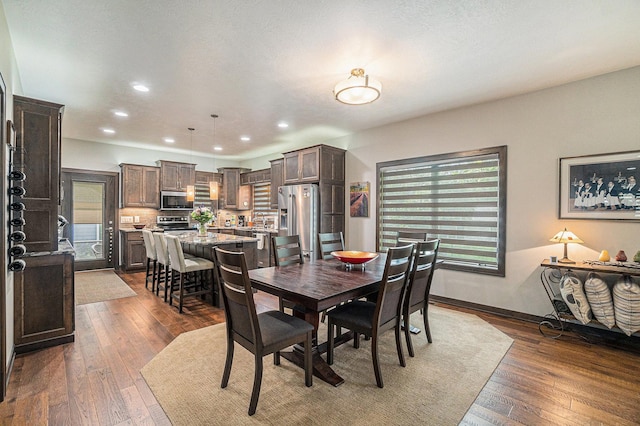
(371, 319)
(287, 251)
(406, 237)
(328, 242)
(261, 334)
(419, 287)
(152, 260)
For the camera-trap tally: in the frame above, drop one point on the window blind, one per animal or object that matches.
(262, 199)
(201, 197)
(458, 198)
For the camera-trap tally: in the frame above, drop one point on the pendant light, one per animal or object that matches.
(213, 186)
(191, 189)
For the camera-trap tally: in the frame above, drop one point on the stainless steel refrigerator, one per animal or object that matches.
(299, 214)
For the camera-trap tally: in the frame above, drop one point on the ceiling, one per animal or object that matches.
(256, 63)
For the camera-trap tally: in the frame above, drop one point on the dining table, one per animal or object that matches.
(317, 285)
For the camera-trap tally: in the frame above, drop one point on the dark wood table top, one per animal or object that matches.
(319, 284)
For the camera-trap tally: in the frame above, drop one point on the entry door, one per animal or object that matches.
(89, 204)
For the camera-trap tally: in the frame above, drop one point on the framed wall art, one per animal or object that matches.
(359, 199)
(600, 186)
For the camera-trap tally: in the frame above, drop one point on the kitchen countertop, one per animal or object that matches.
(138, 230)
(214, 239)
(64, 247)
(246, 228)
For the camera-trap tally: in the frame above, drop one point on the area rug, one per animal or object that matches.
(98, 286)
(437, 386)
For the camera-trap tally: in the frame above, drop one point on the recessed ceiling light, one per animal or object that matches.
(110, 131)
(141, 87)
(283, 125)
(121, 114)
(217, 148)
(245, 138)
(169, 140)
(631, 168)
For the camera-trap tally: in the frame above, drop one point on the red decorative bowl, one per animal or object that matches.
(354, 257)
(138, 226)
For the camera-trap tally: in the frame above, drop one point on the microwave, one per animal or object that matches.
(171, 200)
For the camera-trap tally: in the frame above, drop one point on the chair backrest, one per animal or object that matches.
(162, 252)
(149, 244)
(176, 256)
(328, 242)
(393, 284)
(421, 275)
(287, 250)
(406, 237)
(237, 296)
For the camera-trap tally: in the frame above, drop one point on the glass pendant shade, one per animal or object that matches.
(191, 193)
(213, 191)
(357, 89)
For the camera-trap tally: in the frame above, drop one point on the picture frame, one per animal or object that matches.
(604, 186)
(359, 199)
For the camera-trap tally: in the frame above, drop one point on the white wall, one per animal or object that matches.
(9, 71)
(87, 155)
(594, 116)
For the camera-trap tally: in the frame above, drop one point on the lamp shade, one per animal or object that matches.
(565, 236)
(213, 190)
(357, 89)
(191, 193)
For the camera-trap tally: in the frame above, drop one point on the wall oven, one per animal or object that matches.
(171, 200)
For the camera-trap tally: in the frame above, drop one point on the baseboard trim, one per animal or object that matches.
(487, 309)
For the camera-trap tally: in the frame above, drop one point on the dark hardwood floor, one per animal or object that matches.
(96, 379)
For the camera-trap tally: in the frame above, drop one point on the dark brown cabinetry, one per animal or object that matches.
(255, 176)
(203, 178)
(134, 254)
(44, 302)
(302, 166)
(140, 186)
(277, 180)
(325, 165)
(235, 195)
(176, 176)
(38, 136)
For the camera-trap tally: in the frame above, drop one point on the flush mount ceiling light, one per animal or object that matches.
(357, 89)
(140, 87)
(121, 114)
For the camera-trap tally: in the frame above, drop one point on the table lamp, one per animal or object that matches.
(566, 237)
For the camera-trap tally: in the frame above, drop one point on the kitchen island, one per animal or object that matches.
(204, 247)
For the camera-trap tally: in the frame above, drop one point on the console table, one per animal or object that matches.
(553, 272)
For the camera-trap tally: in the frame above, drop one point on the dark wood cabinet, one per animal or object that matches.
(38, 140)
(277, 180)
(235, 195)
(255, 176)
(44, 302)
(134, 254)
(302, 166)
(176, 176)
(140, 186)
(203, 178)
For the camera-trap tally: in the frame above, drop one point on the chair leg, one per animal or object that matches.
(376, 361)
(308, 365)
(154, 278)
(182, 283)
(407, 333)
(330, 343)
(399, 344)
(257, 382)
(425, 317)
(276, 358)
(356, 340)
(227, 363)
(146, 276)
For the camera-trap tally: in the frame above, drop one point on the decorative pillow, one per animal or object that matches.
(574, 297)
(626, 302)
(599, 297)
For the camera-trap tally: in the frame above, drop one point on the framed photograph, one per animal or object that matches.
(600, 186)
(359, 199)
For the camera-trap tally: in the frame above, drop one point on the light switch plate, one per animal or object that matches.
(126, 219)
(136, 219)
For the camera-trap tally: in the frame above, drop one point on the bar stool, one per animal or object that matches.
(150, 247)
(164, 266)
(195, 274)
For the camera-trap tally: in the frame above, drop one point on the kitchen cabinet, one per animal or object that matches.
(44, 302)
(277, 180)
(235, 195)
(203, 178)
(176, 176)
(140, 186)
(255, 176)
(302, 166)
(38, 141)
(134, 253)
